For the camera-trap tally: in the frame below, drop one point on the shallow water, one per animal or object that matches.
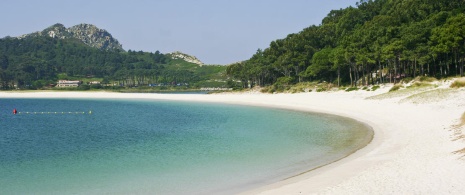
(161, 147)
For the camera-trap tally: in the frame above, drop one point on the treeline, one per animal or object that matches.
(40, 61)
(375, 42)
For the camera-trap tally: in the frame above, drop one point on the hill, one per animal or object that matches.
(85, 52)
(378, 41)
(87, 33)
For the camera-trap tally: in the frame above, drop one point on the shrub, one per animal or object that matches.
(320, 89)
(233, 84)
(268, 89)
(352, 89)
(427, 79)
(296, 90)
(407, 79)
(83, 87)
(282, 84)
(458, 83)
(420, 84)
(284, 81)
(395, 87)
(98, 86)
(264, 90)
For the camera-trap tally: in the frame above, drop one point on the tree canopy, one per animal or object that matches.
(39, 61)
(375, 42)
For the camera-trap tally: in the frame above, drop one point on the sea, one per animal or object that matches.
(109, 146)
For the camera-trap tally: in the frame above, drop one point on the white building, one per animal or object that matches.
(66, 83)
(94, 82)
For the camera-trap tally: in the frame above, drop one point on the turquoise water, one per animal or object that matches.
(161, 147)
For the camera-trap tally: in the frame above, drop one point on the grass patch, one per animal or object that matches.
(265, 90)
(269, 89)
(420, 84)
(275, 89)
(396, 87)
(352, 89)
(302, 87)
(402, 93)
(426, 79)
(296, 88)
(429, 96)
(462, 151)
(374, 88)
(462, 120)
(459, 133)
(458, 83)
(407, 80)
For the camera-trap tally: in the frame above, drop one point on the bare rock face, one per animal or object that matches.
(185, 57)
(56, 31)
(95, 37)
(89, 34)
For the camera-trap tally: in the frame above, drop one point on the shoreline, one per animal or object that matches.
(411, 150)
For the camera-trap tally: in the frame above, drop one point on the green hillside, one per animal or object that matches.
(375, 42)
(37, 62)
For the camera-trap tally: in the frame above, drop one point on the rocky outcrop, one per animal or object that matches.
(95, 37)
(185, 57)
(89, 34)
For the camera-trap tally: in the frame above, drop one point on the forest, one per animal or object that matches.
(378, 41)
(38, 62)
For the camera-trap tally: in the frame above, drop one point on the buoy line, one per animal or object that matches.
(90, 112)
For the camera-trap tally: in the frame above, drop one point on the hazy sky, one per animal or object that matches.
(216, 31)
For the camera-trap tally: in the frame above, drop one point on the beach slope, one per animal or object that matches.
(417, 146)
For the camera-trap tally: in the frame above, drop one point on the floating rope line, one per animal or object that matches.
(90, 112)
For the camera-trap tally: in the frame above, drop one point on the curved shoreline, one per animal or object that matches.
(411, 151)
(361, 142)
(368, 139)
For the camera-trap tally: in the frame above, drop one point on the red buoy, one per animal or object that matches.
(15, 111)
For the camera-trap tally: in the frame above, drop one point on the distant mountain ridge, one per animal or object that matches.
(95, 37)
(87, 33)
(86, 53)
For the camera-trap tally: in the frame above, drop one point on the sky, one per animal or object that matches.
(215, 31)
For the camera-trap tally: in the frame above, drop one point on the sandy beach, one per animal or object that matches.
(418, 145)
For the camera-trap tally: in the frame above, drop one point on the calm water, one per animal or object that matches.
(161, 147)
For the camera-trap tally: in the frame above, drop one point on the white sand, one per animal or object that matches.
(412, 151)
